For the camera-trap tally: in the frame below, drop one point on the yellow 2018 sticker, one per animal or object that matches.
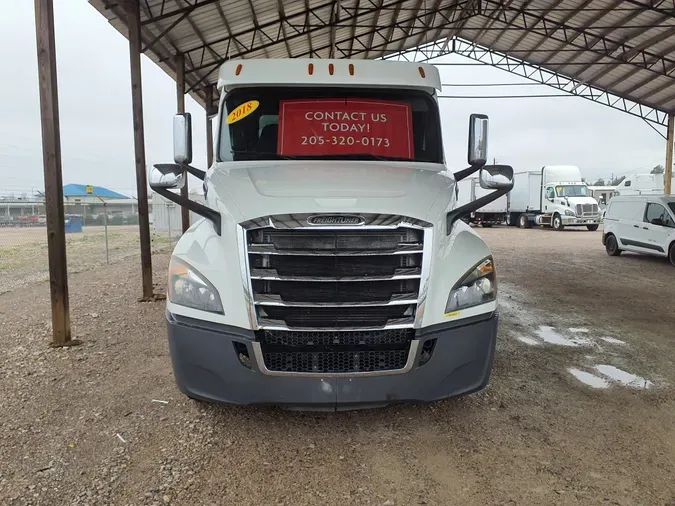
(452, 315)
(242, 111)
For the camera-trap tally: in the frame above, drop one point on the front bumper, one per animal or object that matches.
(207, 367)
(574, 220)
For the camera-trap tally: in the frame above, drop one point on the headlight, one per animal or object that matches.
(477, 287)
(189, 288)
(569, 212)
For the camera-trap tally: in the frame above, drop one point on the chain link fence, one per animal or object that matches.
(96, 234)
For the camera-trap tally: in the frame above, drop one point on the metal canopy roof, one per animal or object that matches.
(624, 47)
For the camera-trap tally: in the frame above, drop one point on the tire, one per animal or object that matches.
(523, 221)
(486, 225)
(592, 228)
(671, 254)
(557, 223)
(612, 246)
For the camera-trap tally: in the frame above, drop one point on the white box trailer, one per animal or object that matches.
(492, 213)
(526, 192)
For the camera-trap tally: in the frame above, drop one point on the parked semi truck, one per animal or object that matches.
(332, 268)
(490, 214)
(554, 196)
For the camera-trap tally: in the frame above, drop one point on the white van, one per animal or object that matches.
(642, 225)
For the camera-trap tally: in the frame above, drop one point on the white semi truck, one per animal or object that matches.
(493, 213)
(332, 268)
(554, 196)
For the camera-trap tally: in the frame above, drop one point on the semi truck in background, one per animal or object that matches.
(642, 184)
(331, 269)
(490, 214)
(555, 197)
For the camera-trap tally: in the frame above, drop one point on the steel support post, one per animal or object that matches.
(51, 155)
(180, 109)
(669, 154)
(134, 24)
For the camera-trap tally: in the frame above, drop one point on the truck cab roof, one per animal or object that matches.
(323, 72)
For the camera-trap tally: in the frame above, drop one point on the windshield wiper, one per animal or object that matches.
(262, 153)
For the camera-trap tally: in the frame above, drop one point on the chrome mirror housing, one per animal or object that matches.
(182, 138)
(496, 177)
(166, 175)
(478, 137)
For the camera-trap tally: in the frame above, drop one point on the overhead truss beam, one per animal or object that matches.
(542, 76)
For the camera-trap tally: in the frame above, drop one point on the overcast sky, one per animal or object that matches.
(96, 125)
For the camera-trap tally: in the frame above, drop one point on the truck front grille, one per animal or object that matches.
(587, 209)
(336, 299)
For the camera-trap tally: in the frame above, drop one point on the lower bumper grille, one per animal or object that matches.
(335, 352)
(336, 361)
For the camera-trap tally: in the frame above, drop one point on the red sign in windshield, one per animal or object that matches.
(325, 127)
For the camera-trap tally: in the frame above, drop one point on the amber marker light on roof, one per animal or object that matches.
(310, 69)
(351, 69)
(421, 72)
(331, 68)
(238, 71)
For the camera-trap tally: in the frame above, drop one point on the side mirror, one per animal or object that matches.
(478, 135)
(658, 221)
(182, 138)
(496, 177)
(166, 175)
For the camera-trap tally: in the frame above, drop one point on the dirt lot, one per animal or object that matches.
(23, 251)
(82, 425)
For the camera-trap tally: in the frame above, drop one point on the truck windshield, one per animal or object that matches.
(572, 191)
(272, 123)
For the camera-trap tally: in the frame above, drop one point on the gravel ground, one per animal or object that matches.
(82, 425)
(23, 251)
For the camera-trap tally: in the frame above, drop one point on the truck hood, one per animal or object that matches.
(581, 200)
(252, 189)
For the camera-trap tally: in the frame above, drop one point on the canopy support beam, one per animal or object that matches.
(133, 16)
(669, 154)
(51, 154)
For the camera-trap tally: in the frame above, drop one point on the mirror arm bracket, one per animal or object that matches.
(461, 174)
(198, 173)
(455, 214)
(195, 207)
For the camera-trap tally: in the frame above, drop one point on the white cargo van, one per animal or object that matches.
(642, 224)
(332, 268)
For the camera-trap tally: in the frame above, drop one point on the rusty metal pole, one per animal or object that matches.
(134, 25)
(669, 154)
(209, 126)
(180, 109)
(51, 155)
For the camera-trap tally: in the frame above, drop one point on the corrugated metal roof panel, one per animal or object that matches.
(625, 46)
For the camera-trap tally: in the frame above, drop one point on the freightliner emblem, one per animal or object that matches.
(336, 220)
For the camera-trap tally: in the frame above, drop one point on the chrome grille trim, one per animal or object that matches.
(402, 299)
(371, 222)
(400, 323)
(269, 249)
(271, 275)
